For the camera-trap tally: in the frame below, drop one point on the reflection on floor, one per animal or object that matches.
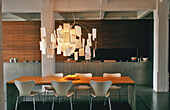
(146, 99)
(155, 101)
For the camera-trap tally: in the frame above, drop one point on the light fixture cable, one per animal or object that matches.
(72, 13)
(80, 23)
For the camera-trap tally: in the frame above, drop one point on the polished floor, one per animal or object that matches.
(154, 100)
(146, 99)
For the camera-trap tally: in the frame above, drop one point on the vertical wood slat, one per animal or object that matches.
(21, 40)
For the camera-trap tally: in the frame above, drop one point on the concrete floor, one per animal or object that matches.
(154, 100)
(147, 99)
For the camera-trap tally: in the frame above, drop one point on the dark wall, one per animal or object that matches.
(117, 39)
(120, 39)
(127, 38)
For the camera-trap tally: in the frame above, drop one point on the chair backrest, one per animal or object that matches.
(84, 74)
(100, 88)
(55, 74)
(62, 88)
(24, 87)
(112, 75)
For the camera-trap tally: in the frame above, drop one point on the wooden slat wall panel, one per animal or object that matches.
(21, 40)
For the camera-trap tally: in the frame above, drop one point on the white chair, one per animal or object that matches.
(50, 88)
(83, 87)
(61, 90)
(114, 87)
(54, 74)
(25, 88)
(101, 90)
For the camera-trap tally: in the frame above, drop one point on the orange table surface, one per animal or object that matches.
(82, 80)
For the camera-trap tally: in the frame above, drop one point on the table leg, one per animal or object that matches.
(132, 96)
(11, 96)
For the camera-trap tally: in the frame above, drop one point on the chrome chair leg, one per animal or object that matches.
(89, 94)
(120, 98)
(39, 96)
(25, 98)
(71, 105)
(47, 95)
(104, 101)
(110, 108)
(33, 102)
(59, 100)
(75, 95)
(53, 103)
(44, 97)
(72, 99)
(16, 103)
(91, 103)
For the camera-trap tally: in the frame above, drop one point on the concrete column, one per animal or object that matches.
(2, 99)
(47, 21)
(161, 44)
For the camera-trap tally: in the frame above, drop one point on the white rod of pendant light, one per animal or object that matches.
(76, 56)
(43, 32)
(94, 33)
(58, 49)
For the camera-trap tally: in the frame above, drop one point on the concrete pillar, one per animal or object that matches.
(161, 44)
(2, 99)
(47, 21)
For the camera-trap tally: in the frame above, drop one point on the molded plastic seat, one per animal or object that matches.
(84, 74)
(62, 90)
(83, 87)
(50, 88)
(112, 75)
(100, 90)
(54, 74)
(70, 93)
(94, 95)
(114, 87)
(25, 88)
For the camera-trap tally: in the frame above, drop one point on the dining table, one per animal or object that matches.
(12, 91)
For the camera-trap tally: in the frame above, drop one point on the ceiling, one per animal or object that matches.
(78, 16)
(23, 12)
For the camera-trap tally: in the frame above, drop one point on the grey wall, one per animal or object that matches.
(16, 70)
(139, 71)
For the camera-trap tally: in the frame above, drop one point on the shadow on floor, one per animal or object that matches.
(83, 105)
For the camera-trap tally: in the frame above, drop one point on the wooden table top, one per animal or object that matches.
(47, 80)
